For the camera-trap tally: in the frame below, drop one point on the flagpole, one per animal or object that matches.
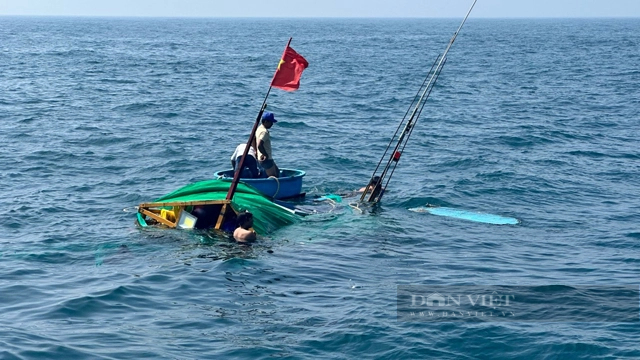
(239, 166)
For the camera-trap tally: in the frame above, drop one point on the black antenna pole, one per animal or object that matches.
(375, 196)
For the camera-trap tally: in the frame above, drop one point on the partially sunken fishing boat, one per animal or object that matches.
(204, 205)
(216, 203)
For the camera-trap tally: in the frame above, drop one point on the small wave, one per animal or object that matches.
(517, 141)
(597, 154)
(135, 106)
(293, 125)
(119, 81)
(28, 120)
(165, 115)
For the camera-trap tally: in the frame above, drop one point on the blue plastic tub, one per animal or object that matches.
(288, 185)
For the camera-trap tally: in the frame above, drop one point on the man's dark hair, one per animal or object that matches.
(377, 187)
(244, 217)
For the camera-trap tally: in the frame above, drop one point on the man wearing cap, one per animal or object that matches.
(263, 139)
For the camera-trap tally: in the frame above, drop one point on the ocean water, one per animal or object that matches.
(533, 119)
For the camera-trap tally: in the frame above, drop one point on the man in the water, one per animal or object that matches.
(374, 186)
(243, 232)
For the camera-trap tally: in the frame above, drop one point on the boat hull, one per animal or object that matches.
(203, 205)
(287, 186)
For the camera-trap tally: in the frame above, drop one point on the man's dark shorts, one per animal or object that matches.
(267, 164)
(250, 167)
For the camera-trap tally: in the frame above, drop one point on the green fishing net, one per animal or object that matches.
(267, 215)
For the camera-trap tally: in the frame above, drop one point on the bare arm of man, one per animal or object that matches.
(244, 235)
(262, 150)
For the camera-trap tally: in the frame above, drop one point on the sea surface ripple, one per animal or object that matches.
(534, 119)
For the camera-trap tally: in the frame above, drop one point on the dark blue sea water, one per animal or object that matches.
(535, 119)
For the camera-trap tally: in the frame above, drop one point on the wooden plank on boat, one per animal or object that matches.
(184, 203)
(221, 217)
(157, 218)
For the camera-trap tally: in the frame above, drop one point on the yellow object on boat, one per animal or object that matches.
(168, 215)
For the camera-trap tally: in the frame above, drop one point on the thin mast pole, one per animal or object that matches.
(236, 175)
(417, 110)
(443, 58)
(415, 98)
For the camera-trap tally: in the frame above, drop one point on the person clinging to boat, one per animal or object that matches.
(374, 187)
(249, 166)
(244, 233)
(263, 139)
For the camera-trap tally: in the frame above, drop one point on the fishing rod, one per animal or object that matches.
(375, 189)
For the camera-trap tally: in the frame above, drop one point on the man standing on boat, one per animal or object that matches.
(263, 139)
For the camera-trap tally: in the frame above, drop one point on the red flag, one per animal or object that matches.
(287, 76)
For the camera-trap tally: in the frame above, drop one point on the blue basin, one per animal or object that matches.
(288, 185)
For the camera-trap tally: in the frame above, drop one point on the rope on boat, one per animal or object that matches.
(277, 182)
(356, 206)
